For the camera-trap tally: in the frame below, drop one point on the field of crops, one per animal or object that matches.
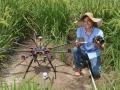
(19, 18)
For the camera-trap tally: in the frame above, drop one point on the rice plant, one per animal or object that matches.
(19, 18)
(25, 85)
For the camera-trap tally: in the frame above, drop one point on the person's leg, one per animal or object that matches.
(84, 58)
(78, 56)
(95, 67)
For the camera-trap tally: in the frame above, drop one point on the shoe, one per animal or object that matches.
(77, 73)
(95, 77)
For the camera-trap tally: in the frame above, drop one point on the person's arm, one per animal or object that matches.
(79, 40)
(78, 43)
(98, 43)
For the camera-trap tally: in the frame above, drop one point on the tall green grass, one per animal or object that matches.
(25, 85)
(19, 18)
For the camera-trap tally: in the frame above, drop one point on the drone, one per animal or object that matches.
(39, 50)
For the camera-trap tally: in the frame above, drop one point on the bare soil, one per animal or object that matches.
(65, 80)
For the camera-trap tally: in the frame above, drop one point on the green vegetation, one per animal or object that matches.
(26, 85)
(19, 18)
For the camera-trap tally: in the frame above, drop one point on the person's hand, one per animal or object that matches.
(101, 46)
(78, 43)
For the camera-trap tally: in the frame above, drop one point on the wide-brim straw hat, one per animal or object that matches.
(98, 21)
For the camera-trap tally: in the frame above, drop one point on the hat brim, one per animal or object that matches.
(98, 21)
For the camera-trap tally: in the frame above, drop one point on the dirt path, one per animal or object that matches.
(65, 75)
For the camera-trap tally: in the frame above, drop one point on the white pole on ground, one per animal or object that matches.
(93, 81)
